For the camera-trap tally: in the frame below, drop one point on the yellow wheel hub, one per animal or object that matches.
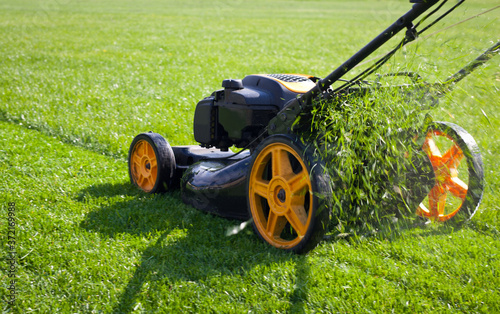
(448, 194)
(144, 169)
(280, 196)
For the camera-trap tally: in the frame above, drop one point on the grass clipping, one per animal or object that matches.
(371, 144)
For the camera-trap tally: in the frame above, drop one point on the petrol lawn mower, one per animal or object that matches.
(276, 179)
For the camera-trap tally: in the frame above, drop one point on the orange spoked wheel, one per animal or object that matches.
(458, 169)
(151, 163)
(288, 194)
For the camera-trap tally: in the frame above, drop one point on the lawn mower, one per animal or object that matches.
(276, 180)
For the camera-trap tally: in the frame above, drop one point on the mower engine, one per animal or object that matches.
(237, 114)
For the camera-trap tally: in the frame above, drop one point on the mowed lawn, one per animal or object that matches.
(79, 79)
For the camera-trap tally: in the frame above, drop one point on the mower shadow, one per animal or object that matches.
(188, 245)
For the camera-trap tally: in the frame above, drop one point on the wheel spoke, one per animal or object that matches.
(138, 152)
(141, 180)
(150, 151)
(298, 198)
(152, 163)
(151, 181)
(275, 224)
(280, 163)
(136, 176)
(261, 188)
(437, 200)
(422, 210)
(432, 150)
(141, 149)
(453, 157)
(137, 165)
(298, 182)
(457, 187)
(153, 174)
(297, 217)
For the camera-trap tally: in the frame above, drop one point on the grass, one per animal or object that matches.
(78, 80)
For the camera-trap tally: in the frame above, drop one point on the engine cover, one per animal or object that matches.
(238, 113)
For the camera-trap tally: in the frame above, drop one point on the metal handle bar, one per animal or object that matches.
(282, 123)
(405, 21)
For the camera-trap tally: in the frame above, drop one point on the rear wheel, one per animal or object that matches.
(288, 194)
(151, 163)
(458, 168)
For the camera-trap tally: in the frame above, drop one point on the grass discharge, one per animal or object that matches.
(373, 152)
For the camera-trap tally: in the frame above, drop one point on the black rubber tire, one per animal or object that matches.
(316, 201)
(165, 163)
(473, 162)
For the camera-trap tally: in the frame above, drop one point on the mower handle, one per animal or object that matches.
(406, 21)
(282, 123)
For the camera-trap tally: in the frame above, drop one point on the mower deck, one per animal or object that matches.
(213, 180)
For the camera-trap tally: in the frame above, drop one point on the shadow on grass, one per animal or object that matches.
(187, 246)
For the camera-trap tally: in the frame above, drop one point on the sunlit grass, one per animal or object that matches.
(78, 80)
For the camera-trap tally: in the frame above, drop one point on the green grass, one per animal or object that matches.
(78, 80)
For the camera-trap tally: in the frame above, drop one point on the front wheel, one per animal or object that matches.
(288, 194)
(458, 169)
(151, 163)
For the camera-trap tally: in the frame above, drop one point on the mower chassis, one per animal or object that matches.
(212, 180)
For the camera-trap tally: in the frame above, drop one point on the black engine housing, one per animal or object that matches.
(238, 113)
